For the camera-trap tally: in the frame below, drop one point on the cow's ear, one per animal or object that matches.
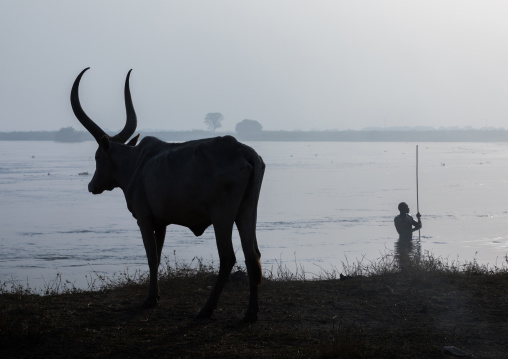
(104, 143)
(133, 141)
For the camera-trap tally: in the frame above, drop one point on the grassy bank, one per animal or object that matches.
(383, 309)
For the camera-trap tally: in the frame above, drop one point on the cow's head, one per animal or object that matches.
(109, 148)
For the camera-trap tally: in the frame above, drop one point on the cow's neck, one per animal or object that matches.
(124, 159)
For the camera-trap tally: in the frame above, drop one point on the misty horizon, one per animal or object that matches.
(221, 130)
(291, 66)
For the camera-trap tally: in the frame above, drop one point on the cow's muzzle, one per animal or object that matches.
(93, 190)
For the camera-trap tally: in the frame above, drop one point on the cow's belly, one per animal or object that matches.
(197, 221)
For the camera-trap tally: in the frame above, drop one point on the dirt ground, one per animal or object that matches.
(386, 316)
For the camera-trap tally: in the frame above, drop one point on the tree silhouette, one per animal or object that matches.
(248, 127)
(213, 120)
(69, 134)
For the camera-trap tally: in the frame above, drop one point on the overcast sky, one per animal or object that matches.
(287, 64)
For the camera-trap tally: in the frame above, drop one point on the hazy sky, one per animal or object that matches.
(287, 64)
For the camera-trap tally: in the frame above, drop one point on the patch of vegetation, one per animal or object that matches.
(389, 308)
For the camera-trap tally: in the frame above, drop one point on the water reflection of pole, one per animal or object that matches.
(417, 200)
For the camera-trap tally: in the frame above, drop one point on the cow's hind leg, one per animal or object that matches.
(246, 224)
(227, 261)
(150, 243)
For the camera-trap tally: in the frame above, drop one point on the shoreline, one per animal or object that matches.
(96, 280)
(373, 135)
(393, 312)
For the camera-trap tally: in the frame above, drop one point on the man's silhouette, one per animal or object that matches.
(404, 222)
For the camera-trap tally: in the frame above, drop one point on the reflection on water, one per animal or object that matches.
(407, 252)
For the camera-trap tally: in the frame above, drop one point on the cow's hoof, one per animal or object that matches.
(204, 313)
(250, 317)
(151, 302)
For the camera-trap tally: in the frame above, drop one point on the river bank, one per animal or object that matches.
(374, 311)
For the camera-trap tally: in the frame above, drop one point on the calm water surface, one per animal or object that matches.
(322, 203)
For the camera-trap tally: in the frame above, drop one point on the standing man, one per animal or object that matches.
(404, 222)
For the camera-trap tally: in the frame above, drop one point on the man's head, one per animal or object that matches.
(403, 207)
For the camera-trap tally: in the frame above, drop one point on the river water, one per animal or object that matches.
(322, 204)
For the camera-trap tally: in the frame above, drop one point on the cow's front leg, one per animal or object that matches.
(150, 243)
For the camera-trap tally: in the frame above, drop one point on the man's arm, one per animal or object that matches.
(418, 224)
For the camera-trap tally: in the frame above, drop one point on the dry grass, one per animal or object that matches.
(382, 309)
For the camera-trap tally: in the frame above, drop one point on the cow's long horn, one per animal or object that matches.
(95, 130)
(131, 122)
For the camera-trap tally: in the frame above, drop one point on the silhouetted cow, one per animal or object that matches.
(193, 184)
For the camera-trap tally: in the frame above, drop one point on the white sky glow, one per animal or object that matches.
(287, 64)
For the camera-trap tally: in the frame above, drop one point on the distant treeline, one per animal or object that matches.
(469, 135)
(67, 134)
(498, 135)
(28, 136)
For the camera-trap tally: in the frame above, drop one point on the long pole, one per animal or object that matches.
(417, 199)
